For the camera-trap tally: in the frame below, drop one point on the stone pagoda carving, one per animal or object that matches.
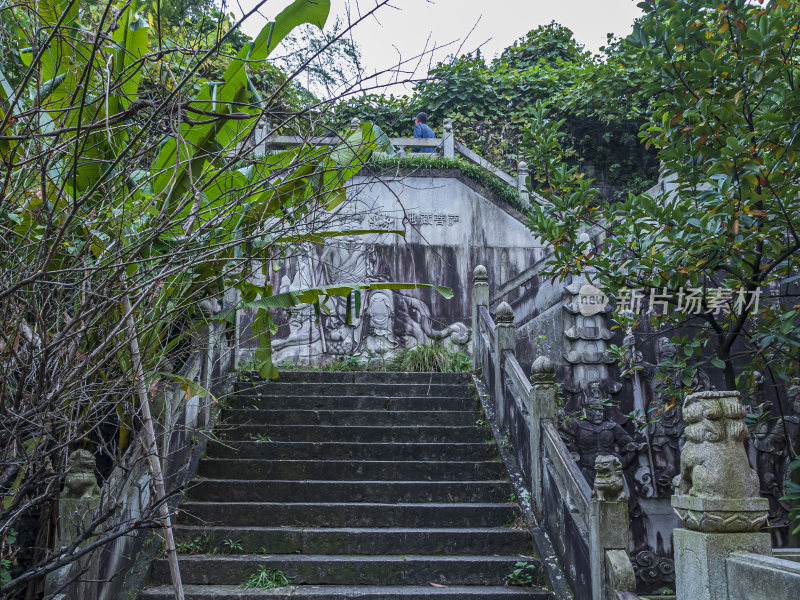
(587, 341)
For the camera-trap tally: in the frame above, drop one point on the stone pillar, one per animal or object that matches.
(522, 184)
(480, 297)
(260, 136)
(541, 406)
(237, 335)
(609, 532)
(449, 140)
(716, 496)
(505, 338)
(76, 507)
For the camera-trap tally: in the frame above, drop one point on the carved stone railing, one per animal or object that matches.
(589, 529)
(447, 145)
(184, 422)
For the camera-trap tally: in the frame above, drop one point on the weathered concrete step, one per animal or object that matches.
(347, 592)
(395, 390)
(348, 470)
(227, 490)
(364, 377)
(342, 570)
(351, 417)
(351, 450)
(290, 540)
(357, 433)
(347, 514)
(365, 402)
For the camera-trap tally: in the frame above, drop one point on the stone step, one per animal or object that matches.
(347, 514)
(357, 433)
(364, 377)
(394, 390)
(271, 450)
(384, 540)
(348, 592)
(227, 490)
(312, 569)
(348, 470)
(365, 402)
(350, 417)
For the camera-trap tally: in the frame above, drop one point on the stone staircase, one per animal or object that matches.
(377, 486)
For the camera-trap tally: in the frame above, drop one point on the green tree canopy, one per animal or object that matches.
(722, 80)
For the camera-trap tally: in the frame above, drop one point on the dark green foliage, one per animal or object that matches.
(492, 106)
(394, 114)
(468, 169)
(724, 115)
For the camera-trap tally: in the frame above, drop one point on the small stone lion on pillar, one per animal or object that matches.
(608, 482)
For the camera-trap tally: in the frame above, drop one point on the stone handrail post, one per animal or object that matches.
(448, 139)
(541, 406)
(505, 338)
(716, 497)
(77, 505)
(480, 297)
(522, 184)
(609, 538)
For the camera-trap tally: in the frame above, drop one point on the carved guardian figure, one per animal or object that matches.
(608, 482)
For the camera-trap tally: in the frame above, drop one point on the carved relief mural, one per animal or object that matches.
(387, 319)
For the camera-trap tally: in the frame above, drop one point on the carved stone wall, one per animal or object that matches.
(450, 226)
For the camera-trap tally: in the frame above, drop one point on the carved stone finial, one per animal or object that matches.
(355, 123)
(522, 167)
(209, 307)
(447, 124)
(80, 482)
(608, 484)
(543, 365)
(504, 314)
(480, 274)
(717, 491)
(543, 373)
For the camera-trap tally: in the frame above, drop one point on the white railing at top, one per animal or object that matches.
(447, 144)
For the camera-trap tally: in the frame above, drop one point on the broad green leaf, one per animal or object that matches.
(175, 163)
(312, 295)
(189, 386)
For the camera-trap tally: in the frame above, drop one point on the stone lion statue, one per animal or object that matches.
(713, 461)
(80, 482)
(608, 482)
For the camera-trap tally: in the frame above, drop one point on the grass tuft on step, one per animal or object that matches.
(266, 578)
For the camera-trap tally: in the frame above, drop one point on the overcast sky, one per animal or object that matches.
(407, 27)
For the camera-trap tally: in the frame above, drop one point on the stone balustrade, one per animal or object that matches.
(720, 554)
(589, 527)
(184, 422)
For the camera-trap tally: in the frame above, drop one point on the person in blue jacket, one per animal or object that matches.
(422, 131)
